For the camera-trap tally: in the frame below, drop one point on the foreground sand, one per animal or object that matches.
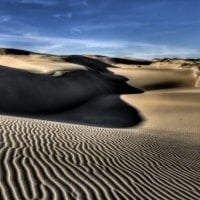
(150, 151)
(45, 160)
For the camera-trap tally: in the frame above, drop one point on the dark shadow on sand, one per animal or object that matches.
(90, 63)
(85, 97)
(105, 111)
(131, 62)
(164, 85)
(10, 51)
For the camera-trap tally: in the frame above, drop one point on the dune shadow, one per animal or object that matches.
(104, 111)
(10, 51)
(131, 62)
(85, 97)
(163, 85)
(91, 63)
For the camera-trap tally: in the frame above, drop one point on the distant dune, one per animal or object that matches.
(97, 127)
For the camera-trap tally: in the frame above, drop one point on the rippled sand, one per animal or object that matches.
(140, 132)
(46, 160)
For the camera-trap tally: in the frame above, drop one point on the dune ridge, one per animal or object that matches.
(41, 88)
(96, 127)
(46, 160)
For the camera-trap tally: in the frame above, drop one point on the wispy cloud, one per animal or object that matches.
(78, 2)
(43, 2)
(5, 18)
(72, 3)
(60, 45)
(56, 44)
(40, 2)
(75, 31)
(67, 15)
(113, 25)
(160, 51)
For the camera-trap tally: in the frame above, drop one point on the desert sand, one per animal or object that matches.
(96, 127)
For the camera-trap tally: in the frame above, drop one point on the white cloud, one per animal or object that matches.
(75, 31)
(149, 51)
(56, 44)
(112, 26)
(5, 18)
(60, 45)
(78, 2)
(68, 15)
(41, 2)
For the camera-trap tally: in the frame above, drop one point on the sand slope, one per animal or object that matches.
(154, 156)
(172, 110)
(44, 92)
(39, 63)
(45, 160)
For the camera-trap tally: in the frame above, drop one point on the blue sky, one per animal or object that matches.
(136, 28)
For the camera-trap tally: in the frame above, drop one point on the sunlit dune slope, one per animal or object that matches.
(111, 128)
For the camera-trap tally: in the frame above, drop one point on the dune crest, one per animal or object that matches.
(60, 91)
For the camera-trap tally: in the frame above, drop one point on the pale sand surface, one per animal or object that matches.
(173, 110)
(38, 63)
(45, 160)
(154, 79)
(154, 155)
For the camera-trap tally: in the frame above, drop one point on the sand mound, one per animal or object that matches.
(40, 64)
(168, 109)
(54, 94)
(175, 63)
(43, 160)
(148, 79)
(157, 157)
(84, 94)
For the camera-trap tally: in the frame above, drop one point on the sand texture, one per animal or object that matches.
(43, 160)
(96, 127)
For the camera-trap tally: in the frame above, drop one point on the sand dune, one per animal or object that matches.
(125, 128)
(39, 63)
(156, 79)
(69, 97)
(44, 96)
(45, 160)
(168, 110)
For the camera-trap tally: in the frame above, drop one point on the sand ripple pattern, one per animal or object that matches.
(46, 160)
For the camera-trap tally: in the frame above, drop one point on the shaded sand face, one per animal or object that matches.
(150, 150)
(171, 97)
(90, 96)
